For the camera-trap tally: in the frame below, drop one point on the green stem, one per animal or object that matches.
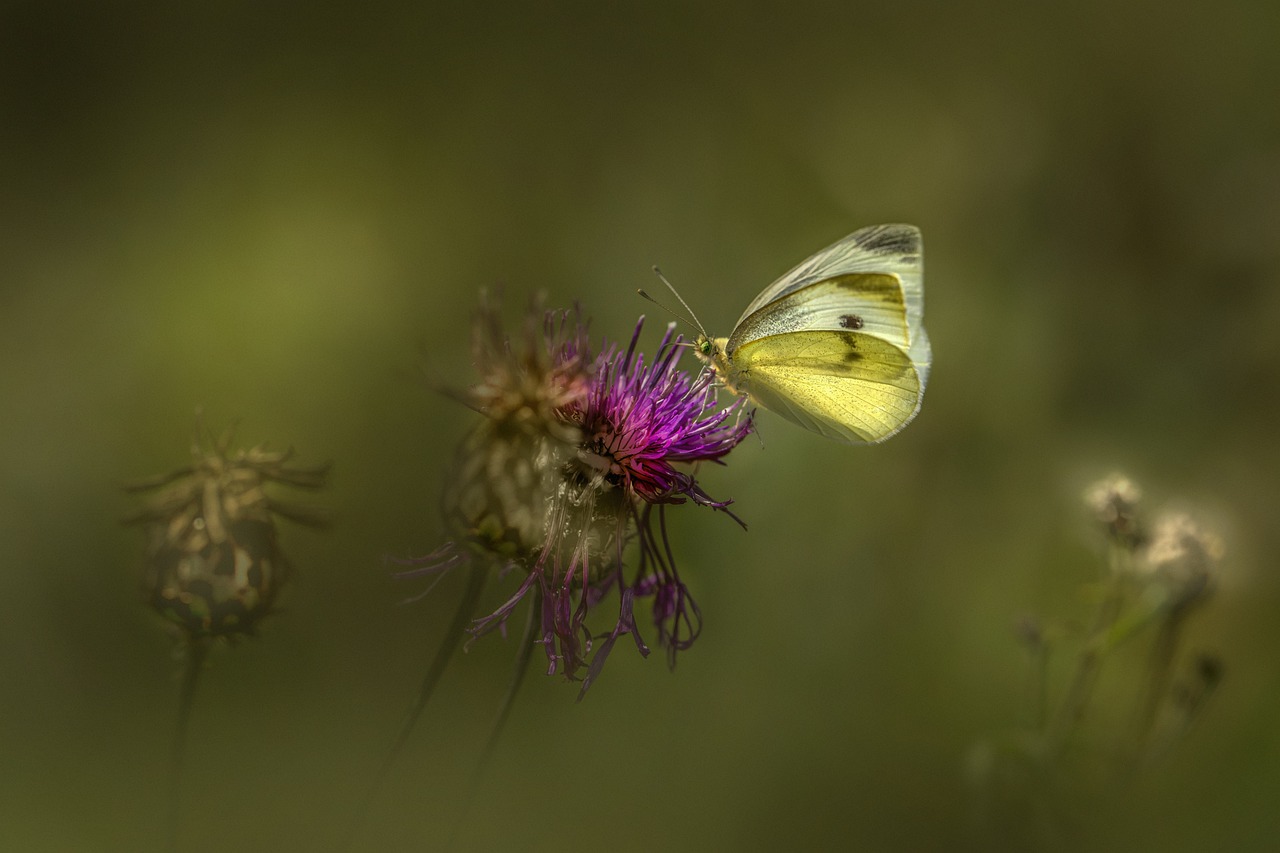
(452, 639)
(1090, 662)
(523, 657)
(1162, 655)
(197, 649)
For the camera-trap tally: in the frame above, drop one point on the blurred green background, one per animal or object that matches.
(271, 212)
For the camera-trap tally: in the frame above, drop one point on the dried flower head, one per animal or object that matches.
(578, 456)
(214, 565)
(509, 467)
(524, 384)
(1183, 556)
(1114, 502)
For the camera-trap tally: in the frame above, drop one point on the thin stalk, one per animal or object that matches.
(1157, 687)
(524, 655)
(452, 639)
(197, 649)
(462, 617)
(1089, 664)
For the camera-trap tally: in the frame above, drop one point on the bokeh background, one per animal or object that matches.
(276, 212)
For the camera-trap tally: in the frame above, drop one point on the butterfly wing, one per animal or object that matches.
(849, 386)
(838, 344)
(891, 250)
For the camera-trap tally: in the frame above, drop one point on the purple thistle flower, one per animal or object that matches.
(639, 422)
(580, 455)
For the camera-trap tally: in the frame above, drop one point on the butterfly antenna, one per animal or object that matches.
(689, 317)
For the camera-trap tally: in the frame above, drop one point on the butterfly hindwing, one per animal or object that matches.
(846, 385)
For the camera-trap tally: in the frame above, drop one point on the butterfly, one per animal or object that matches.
(836, 345)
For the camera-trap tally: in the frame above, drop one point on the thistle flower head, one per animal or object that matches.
(214, 565)
(578, 456)
(524, 383)
(508, 468)
(640, 421)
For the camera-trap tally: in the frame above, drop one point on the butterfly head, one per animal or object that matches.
(712, 353)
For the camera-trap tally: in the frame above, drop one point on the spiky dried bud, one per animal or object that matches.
(511, 466)
(214, 564)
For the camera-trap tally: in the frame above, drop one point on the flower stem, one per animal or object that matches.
(1157, 687)
(452, 639)
(197, 649)
(1090, 661)
(524, 655)
(1039, 689)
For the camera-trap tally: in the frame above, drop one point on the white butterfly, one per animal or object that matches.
(837, 344)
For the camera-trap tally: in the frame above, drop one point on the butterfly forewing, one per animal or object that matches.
(870, 303)
(890, 249)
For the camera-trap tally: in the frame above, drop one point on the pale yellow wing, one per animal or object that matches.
(868, 303)
(846, 283)
(849, 386)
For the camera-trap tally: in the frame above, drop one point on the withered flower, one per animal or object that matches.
(214, 563)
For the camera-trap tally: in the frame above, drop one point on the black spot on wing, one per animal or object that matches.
(851, 321)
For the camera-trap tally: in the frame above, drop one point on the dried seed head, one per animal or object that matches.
(1184, 557)
(214, 565)
(511, 467)
(525, 384)
(1114, 502)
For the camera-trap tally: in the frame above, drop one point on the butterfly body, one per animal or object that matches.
(837, 344)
